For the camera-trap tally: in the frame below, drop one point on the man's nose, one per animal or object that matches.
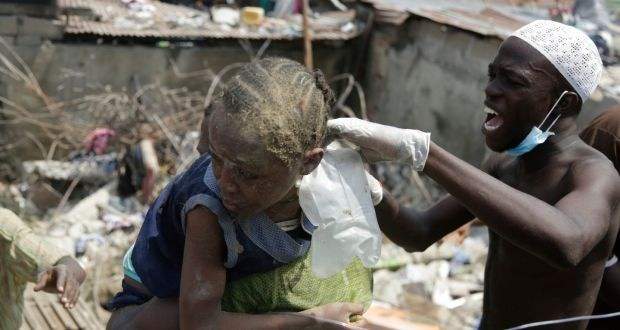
(492, 90)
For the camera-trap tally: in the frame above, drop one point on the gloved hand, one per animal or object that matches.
(376, 190)
(383, 143)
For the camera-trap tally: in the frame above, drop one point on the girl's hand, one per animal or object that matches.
(64, 278)
(340, 312)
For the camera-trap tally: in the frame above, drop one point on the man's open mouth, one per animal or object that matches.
(493, 120)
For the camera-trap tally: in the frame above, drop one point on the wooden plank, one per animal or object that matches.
(79, 318)
(27, 317)
(63, 315)
(34, 315)
(87, 315)
(42, 305)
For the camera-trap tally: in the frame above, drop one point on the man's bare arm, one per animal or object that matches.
(417, 230)
(561, 234)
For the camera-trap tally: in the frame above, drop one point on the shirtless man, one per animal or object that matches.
(551, 204)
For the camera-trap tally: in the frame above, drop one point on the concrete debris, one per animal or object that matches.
(12, 199)
(82, 242)
(447, 274)
(44, 196)
(92, 169)
(225, 15)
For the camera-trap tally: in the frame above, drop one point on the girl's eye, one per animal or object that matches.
(245, 174)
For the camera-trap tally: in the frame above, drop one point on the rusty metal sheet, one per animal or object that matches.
(497, 19)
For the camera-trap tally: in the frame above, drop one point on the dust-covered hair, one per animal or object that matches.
(283, 102)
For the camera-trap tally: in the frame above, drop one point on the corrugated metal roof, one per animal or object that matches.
(488, 19)
(174, 21)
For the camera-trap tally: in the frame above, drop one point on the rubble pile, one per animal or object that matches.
(443, 285)
(69, 192)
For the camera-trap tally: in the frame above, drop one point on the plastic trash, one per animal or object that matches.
(336, 198)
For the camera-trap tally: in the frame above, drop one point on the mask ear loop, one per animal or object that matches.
(550, 111)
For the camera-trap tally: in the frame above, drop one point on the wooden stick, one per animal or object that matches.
(307, 35)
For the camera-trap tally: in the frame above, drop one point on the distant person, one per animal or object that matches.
(603, 134)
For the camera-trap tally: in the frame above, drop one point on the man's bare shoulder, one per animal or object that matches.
(591, 168)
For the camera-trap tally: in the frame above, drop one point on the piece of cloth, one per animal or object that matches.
(294, 288)
(97, 140)
(289, 288)
(570, 50)
(603, 134)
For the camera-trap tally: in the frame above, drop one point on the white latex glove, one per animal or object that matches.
(383, 143)
(376, 190)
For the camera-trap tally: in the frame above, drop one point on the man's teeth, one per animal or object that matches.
(490, 111)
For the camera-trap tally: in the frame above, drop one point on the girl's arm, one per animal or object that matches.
(203, 279)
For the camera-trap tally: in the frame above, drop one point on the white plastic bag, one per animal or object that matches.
(336, 198)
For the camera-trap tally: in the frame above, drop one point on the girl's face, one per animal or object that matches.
(251, 179)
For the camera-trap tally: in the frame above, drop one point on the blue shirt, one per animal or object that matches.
(253, 246)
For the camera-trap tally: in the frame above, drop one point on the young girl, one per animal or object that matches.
(226, 241)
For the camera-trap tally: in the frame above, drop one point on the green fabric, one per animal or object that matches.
(294, 287)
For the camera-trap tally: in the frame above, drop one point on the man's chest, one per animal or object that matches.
(548, 184)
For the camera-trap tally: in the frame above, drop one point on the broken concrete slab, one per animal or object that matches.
(44, 196)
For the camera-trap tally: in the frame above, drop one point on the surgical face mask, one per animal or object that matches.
(536, 135)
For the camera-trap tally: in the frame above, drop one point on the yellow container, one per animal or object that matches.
(252, 15)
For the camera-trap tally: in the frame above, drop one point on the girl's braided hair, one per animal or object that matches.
(284, 102)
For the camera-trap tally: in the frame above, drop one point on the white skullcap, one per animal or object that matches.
(570, 50)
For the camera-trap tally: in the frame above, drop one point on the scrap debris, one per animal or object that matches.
(159, 19)
(69, 193)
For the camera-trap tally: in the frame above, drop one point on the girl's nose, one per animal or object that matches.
(227, 180)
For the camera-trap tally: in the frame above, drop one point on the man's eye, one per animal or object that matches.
(517, 82)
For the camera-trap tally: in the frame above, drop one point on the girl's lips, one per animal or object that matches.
(231, 206)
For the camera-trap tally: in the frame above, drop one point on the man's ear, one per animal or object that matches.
(311, 160)
(569, 104)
